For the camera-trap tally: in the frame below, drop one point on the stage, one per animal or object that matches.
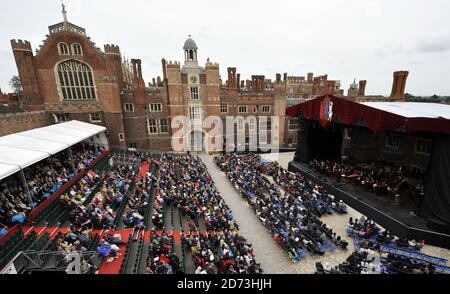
(383, 211)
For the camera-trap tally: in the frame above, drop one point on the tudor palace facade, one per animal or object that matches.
(70, 78)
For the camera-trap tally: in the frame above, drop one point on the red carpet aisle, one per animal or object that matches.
(113, 267)
(144, 169)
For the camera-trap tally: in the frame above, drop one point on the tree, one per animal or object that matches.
(16, 84)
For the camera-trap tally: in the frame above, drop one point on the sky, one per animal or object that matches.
(346, 39)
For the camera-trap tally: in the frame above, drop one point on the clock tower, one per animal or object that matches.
(190, 52)
(194, 93)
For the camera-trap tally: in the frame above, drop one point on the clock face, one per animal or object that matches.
(193, 79)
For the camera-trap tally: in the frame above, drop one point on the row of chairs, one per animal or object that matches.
(46, 211)
(151, 194)
(124, 204)
(94, 243)
(171, 215)
(172, 243)
(94, 191)
(38, 245)
(126, 258)
(10, 243)
(164, 214)
(180, 219)
(402, 252)
(102, 164)
(149, 207)
(52, 245)
(56, 212)
(137, 263)
(23, 245)
(40, 242)
(414, 255)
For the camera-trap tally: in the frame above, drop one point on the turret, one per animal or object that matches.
(26, 67)
(114, 63)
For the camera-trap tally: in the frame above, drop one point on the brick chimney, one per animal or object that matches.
(231, 78)
(329, 87)
(398, 86)
(362, 88)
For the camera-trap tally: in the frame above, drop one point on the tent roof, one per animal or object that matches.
(50, 136)
(83, 125)
(6, 169)
(378, 116)
(24, 149)
(20, 157)
(413, 109)
(34, 144)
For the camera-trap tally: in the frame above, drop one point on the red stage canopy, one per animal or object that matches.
(379, 117)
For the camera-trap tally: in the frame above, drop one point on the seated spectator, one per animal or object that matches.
(43, 180)
(290, 213)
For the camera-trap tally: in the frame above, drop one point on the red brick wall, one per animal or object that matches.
(14, 123)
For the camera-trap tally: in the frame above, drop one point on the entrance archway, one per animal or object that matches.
(197, 141)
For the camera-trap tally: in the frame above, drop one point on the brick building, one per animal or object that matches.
(69, 77)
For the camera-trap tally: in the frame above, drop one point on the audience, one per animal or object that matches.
(161, 256)
(290, 213)
(184, 182)
(139, 203)
(101, 211)
(367, 229)
(371, 260)
(43, 179)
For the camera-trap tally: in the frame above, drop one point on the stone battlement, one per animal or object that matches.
(174, 64)
(20, 45)
(112, 49)
(211, 65)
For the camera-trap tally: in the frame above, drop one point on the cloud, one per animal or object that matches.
(391, 49)
(344, 38)
(434, 43)
(374, 8)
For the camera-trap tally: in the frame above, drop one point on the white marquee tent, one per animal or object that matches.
(413, 109)
(24, 149)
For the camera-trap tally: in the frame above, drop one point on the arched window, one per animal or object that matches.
(63, 49)
(75, 81)
(76, 49)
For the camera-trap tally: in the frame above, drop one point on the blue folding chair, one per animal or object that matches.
(330, 246)
(301, 252)
(350, 231)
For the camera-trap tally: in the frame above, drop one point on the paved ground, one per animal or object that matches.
(272, 257)
(273, 260)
